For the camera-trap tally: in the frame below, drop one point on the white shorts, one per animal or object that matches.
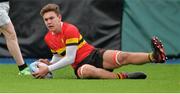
(4, 10)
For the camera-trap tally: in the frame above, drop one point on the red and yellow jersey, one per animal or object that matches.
(68, 36)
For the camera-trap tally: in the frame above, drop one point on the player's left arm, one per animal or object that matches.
(55, 58)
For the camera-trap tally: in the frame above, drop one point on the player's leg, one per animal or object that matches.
(89, 71)
(114, 59)
(92, 67)
(7, 29)
(12, 43)
(13, 47)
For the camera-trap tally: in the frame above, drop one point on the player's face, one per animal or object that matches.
(52, 21)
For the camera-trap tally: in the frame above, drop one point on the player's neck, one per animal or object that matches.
(59, 30)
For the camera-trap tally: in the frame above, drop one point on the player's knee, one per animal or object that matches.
(86, 71)
(10, 35)
(122, 57)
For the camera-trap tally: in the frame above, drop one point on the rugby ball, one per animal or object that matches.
(34, 67)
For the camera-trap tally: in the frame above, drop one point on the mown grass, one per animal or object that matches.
(162, 78)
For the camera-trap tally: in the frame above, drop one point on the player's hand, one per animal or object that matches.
(43, 70)
(46, 61)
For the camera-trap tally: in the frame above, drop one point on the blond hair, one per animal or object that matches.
(50, 7)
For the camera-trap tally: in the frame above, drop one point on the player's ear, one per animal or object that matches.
(60, 17)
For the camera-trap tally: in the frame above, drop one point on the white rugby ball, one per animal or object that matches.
(34, 67)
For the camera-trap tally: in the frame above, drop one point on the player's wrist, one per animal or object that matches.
(50, 69)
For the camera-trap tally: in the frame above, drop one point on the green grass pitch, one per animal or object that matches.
(162, 78)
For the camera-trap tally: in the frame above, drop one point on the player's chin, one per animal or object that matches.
(51, 28)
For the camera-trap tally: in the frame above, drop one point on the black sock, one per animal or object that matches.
(22, 67)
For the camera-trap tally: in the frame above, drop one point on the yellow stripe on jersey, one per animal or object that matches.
(81, 44)
(80, 37)
(59, 51)
(53, 51)
(72, 41)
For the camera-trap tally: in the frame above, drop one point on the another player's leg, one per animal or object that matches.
(89, 71)
(13, 47)
(7, 29)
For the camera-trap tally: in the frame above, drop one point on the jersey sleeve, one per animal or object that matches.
(72, 36)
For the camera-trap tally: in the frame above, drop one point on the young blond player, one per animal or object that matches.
(70, 48)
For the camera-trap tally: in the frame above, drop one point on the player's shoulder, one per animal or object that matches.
(69, 26)
(48, 35)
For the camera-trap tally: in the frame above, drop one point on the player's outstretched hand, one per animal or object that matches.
(43, 71)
